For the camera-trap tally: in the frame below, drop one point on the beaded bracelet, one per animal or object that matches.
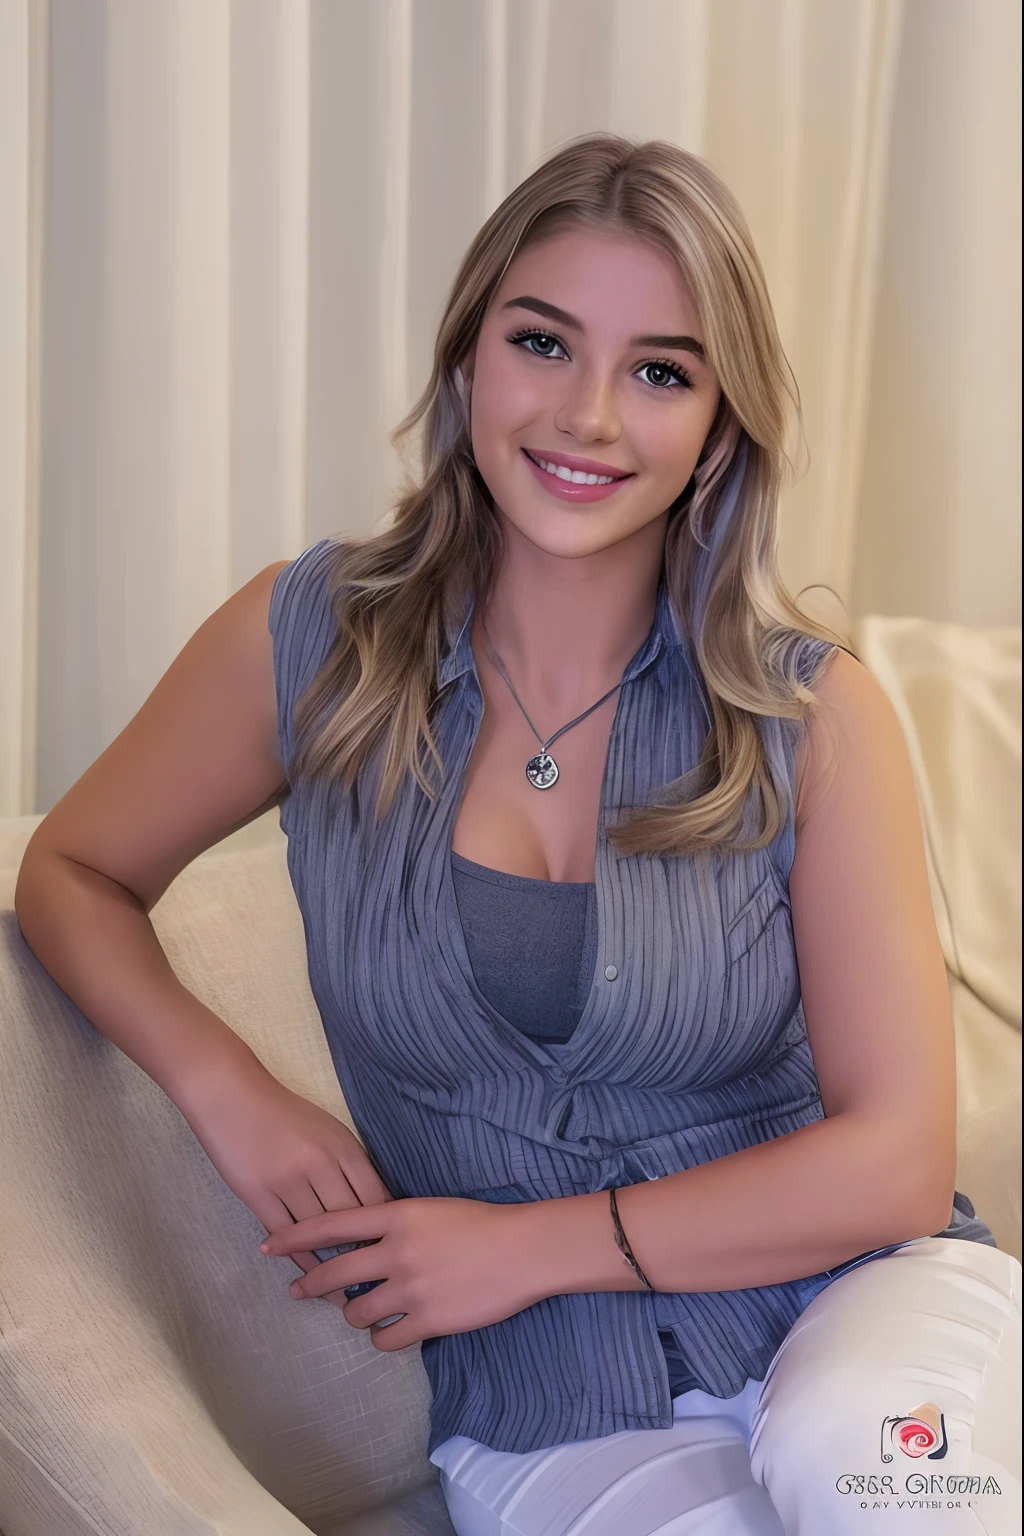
(623, 1245)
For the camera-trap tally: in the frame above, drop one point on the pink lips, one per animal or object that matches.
(567, 490)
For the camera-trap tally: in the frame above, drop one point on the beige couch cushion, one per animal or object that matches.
(155, 1375)
(957, 692)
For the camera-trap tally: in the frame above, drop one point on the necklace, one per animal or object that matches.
(541, 769)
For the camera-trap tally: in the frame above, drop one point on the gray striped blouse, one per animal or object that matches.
(692, 1043)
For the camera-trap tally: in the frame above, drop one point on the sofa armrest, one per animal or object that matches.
(87, 1449)
(154, 1373)
(988, 1166)
(102, 1426)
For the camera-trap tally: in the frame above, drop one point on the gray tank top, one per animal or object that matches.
(532, 945)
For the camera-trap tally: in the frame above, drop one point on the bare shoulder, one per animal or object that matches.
(853, 744)
(247, 611)
(199, 759)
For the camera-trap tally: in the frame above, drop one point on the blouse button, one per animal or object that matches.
(610, 972)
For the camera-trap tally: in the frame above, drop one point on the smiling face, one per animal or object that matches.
(589, 358)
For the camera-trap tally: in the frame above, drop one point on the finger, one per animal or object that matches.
(305, 1261)
(309, 1262)
(389, 1326)
(297, 1197)
(334, 1191)
(378, 1309)
(275, 1217)
(397, 1335)
(273, 1213)
(347, 1270)
(328, 1229)
(367, 1183)
(302, 1201)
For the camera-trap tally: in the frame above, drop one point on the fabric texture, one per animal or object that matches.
(956, 692)
(531, 945)
(935, 1326)
(156, 1379)
(692, 1043)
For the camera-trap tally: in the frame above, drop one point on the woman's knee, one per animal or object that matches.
(893, 1375)
(815, 1421)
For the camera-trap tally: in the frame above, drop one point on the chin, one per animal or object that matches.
(572, 532)
(576, 544)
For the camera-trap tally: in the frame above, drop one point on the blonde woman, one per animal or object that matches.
(617, 919)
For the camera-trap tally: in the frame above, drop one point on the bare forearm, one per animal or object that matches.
(790, 1207)
(97, 942)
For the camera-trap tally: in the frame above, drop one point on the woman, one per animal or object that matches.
(571, 790)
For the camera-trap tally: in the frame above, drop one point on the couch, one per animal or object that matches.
(155, 1378)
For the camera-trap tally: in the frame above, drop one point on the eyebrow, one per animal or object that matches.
(552, 312)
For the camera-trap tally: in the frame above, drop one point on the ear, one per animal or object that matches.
(464, 373)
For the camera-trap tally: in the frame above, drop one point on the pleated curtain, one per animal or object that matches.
(229, 227)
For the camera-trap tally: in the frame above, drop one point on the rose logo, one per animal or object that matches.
(921, 1433)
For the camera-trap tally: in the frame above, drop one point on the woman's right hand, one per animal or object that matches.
(284, 1157)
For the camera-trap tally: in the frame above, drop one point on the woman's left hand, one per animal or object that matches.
(448, 1265)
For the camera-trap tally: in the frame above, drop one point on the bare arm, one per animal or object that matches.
(880, 1167)
(198, 760)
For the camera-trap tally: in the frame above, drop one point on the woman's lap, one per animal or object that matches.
(621, 1485)
(936, 1323)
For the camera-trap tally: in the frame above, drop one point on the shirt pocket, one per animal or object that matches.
(751, 921)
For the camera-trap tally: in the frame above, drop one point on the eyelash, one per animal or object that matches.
(662, 362)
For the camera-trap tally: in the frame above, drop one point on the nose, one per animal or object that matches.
(588, 411)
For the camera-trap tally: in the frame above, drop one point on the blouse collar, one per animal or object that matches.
(665, 633)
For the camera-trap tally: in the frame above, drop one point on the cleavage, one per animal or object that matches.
(504, 823)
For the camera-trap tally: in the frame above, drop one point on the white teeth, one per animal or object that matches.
(576, 476)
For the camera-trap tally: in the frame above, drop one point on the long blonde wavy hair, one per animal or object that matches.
(396, 594)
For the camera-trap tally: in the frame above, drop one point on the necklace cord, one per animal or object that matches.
(496, 659)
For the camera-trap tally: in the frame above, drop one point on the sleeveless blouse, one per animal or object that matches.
(691, 1043)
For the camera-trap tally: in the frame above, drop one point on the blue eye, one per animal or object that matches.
(670, 368)
(680, 377)
(520, 336)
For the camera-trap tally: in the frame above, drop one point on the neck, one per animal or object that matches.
(566, 629)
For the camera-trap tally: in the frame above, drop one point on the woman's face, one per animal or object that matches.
(590, 358)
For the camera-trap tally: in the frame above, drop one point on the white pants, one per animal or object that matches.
(835, 1439)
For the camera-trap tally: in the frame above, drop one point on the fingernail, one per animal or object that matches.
(295, 1289)
(264, 1247)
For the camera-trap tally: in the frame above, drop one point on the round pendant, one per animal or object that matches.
(542, 770)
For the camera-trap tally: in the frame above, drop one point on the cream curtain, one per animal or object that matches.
(228, 229)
